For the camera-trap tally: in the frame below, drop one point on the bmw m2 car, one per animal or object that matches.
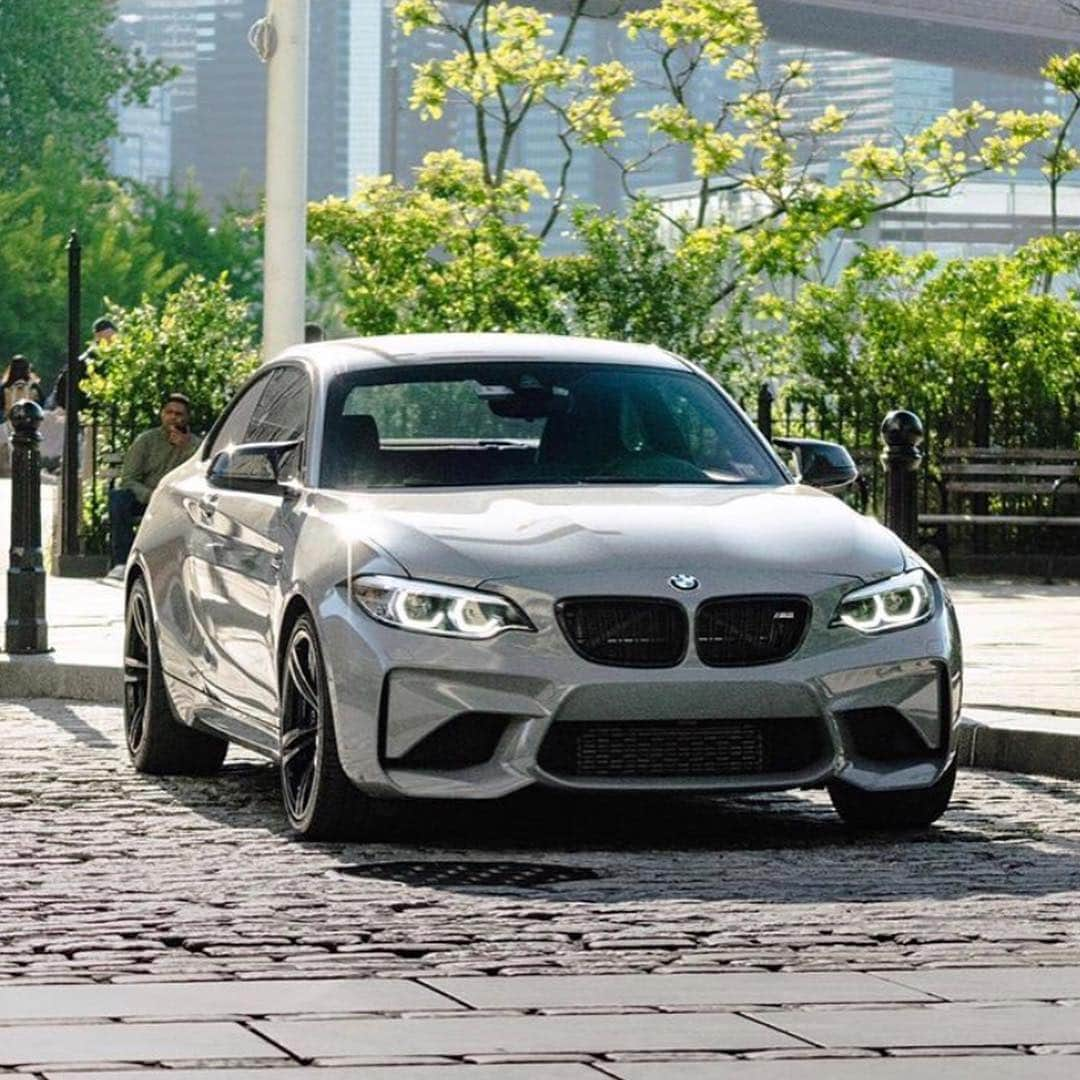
(454, 566)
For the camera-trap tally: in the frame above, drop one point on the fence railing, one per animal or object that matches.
(1011, 421)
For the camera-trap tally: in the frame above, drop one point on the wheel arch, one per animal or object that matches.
(296, 607)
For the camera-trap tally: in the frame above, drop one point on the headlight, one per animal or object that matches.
(887, 605)
(429, 608)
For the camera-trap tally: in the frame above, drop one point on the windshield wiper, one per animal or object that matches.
(602, 478)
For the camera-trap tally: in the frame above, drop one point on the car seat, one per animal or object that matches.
(351, 456)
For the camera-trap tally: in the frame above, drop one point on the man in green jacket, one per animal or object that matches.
(153, 454)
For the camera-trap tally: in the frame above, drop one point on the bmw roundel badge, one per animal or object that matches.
(685, 582)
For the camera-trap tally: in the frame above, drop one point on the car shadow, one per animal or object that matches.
(635, 848)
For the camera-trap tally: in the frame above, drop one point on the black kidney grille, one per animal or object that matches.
(626, 632)
(683, 748)
(750, 629)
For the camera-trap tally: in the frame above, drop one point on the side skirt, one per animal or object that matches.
(195, 709)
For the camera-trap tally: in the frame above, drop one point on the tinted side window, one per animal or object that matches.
(232, 431)
(281, 412)
(281, 415)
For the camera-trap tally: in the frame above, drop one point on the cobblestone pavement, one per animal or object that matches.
(110, 876)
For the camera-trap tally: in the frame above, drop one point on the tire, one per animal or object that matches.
(321, 802)
(157, 742)
(893, 810)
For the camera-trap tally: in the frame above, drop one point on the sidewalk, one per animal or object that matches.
(1021, 650)
(995, 1023)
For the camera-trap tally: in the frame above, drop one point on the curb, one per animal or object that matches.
(1040, 743)
(45, 677)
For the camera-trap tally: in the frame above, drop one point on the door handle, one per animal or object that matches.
(207, 506)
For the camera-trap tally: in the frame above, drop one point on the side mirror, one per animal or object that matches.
(820, 464)
(252, 467)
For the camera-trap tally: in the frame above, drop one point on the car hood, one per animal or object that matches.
(621, 538)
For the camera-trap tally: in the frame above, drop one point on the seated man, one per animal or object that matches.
(153, 454)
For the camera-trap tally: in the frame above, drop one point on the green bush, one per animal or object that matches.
(199, 341)
(936, 336)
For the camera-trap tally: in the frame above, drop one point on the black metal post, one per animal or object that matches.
(765, 399)
(26, 630)
(71, 503)
(902, 432)
(980, 503)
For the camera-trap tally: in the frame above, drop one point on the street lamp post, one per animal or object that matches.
(281, 40)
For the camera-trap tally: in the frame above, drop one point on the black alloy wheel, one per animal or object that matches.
(136, 670)
(300, 723)
(157, 742)
(320, 800)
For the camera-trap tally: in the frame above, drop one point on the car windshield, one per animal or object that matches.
(499, 423)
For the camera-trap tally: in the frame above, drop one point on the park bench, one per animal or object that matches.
(1015, 488)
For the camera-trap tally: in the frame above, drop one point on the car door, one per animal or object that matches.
(250, 536)
(197, 652)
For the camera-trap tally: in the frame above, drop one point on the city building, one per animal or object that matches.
(209, 125)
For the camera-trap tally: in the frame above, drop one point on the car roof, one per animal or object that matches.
(399, 349)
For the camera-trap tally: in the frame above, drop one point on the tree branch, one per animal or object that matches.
(560, 191)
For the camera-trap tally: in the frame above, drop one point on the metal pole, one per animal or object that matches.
(902, 432)
(26, 630)
(282, 41)
(71, 501)
(765, 399)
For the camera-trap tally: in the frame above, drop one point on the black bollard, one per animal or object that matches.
(902, 431)
(765, 399)
(26, 630)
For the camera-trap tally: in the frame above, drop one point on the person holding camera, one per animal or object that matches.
(153, 454)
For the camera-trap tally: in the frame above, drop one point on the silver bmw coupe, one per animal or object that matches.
(453, 566)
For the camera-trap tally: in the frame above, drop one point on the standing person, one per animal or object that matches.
(104, 330)
(153, 454)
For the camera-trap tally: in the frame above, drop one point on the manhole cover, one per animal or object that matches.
(477, 874)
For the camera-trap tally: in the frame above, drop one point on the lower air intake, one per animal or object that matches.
(682, 748)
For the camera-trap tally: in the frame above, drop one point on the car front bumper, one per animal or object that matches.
(423, 716)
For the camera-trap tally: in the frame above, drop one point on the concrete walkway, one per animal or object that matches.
(909, 1024)
(1021, 645)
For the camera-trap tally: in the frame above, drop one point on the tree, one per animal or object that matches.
(60, 73)
(136, 244)
(178, 224)
(119, 260)
(511, 62)
(446, 253)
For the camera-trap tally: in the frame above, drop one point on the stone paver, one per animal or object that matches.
(472, 1035)
(995, 984)
(85, 1043)
(1020, 643)
(937, 1026)
(538, 991)
(207, 999)
(546, 1071)
(966, 1068)
(112, 876)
